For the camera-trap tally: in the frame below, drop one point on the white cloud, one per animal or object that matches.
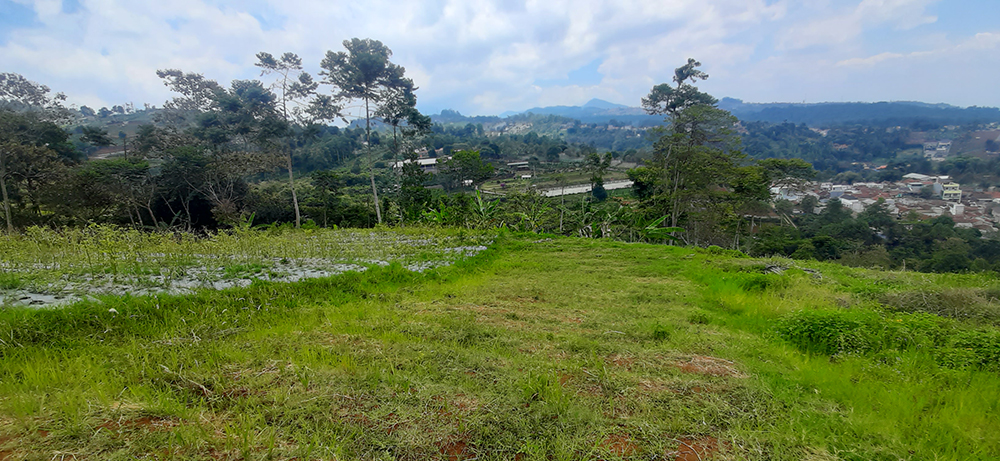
(839, 28)
(478, 56)
(964, 50)
(982, 41)
(869, 61)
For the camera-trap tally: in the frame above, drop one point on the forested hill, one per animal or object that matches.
(905, 113)
(902, 113)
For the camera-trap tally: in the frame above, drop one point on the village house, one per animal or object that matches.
(428, 165)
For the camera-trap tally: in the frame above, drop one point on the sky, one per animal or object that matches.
(484, 57)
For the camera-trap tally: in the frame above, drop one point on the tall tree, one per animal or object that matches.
(465, 165)
(293, 87)
(243, 128)
(696, 177)
(19, 93)
(29, 134)
(364, 73)
(196, 91)
(238, 131)
(399, 110)
(597, 165)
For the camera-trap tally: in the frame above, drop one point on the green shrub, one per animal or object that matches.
(761, 282)
(10, 281)
(951, 357)
(661, 332)
(719, 251)
(969, 304)
(867, 332)
(983, 345)
(862, 331)
(699, 318)
(831, 332)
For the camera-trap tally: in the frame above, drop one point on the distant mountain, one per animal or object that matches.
(597, 111)
(602, 104)
(454, 116)
(899, 113)
(902, 113)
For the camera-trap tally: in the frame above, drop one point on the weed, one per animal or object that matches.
(699, 318)
(661, 332)
(761, 282)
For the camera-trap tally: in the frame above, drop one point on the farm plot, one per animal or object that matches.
(45, 267)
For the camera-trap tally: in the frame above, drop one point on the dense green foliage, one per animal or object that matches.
(874, 238)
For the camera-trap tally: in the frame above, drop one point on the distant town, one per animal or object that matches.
(916, 195)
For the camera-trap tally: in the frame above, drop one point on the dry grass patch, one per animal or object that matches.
(710, 366)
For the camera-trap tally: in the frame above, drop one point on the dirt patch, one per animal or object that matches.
(620, 444)
(695, 449)
(5, 453)
(710, 366)
(359, 419)
(621, 361)
(391, 423)
(464, 403)
(622, 408)
(455, 450)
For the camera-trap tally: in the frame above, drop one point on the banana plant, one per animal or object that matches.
(653, 231)
(484, 213)
(439, 217)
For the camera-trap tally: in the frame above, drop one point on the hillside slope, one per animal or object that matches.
(536, 349)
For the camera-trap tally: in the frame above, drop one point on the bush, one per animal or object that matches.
(868, 332)
(958, 303)
(719, 251)
(758, 283)
(983, 346)
(661, 332)
(831, 332)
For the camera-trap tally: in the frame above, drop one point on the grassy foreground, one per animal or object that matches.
(535, 349)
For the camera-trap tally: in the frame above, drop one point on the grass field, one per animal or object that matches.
(537, 348)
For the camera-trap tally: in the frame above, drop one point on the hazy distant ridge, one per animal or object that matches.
(876, 113)
(813, 114)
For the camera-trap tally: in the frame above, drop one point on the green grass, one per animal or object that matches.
(563, 349)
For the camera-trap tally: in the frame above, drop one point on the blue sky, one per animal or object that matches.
(489, 56)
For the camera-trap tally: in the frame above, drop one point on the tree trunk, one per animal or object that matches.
(6, 199)
(399, 177)
(371, 162)
(149, 208)
(291, 185)
(562, 208)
